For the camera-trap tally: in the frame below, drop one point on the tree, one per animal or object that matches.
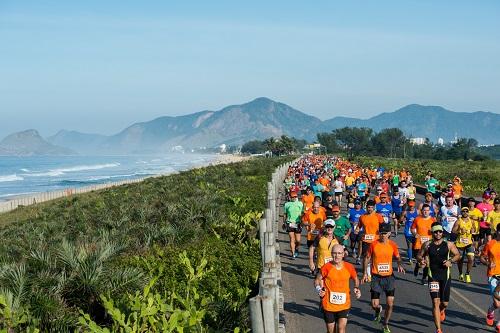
(389, 142)
(254, 147)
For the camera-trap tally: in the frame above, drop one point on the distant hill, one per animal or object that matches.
(28, 143)
(262, 118)
(431, 122)
(491, 151)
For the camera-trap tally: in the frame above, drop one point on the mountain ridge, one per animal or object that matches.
(262, 118)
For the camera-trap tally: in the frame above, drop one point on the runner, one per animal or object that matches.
(433, 209)
(432, 184)
(476, 216)
(457, 190)
(421, 230)
(323, 244)
(491, 258)
(313, 221)
(332, 285)
(484, 228)
(338, 187)
(308, 199)
(293, 214)
(385, 209)
(449, 215)
(464, 228)
(370, 223)
(397, 203)
(356, 236)
(439, 255)
(412, 191)
(342, 227)
(408, 217)
(381, 253)
(361, 189)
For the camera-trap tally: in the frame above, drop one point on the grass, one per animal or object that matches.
(475, 175)
(64, 257)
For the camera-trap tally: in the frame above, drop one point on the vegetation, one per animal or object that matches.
(491, 151)
(391, 142)
(280, 146)
(171, 254)
(475, 175)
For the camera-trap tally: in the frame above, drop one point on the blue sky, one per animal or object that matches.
(99, 66)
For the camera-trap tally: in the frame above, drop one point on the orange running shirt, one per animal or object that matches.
(492, 250)
(370, 222)
(336, 283)
(423, 227)
(308, 200)
(315, 223)
(381, 254)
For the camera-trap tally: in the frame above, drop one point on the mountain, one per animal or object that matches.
(30, 142)
(431, 122)
(83, 143)
(256, 120)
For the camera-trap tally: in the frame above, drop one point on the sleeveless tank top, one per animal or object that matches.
(437, 255)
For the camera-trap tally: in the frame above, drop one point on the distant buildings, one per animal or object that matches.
(417, 141)
(441, 141)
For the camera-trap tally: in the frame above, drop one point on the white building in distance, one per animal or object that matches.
(417, 141)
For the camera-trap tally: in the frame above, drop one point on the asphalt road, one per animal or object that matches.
(412, 310)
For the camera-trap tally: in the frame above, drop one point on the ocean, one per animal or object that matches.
(34, 174)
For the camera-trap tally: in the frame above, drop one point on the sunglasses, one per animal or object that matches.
(330, 226)
(438, 231)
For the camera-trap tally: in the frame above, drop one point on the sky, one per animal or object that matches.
(100, 66)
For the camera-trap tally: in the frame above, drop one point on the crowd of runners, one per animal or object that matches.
(441, 230)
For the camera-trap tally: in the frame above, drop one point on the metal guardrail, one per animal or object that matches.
(266, 309)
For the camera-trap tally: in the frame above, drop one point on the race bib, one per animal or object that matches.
(424, 239)
(315, 232)
(465, 241)
(451, 219)
(383, 268)
(434, 287)
(386, 219)
(327, 260)
(338, 298)
(292, 224)
(369, 237)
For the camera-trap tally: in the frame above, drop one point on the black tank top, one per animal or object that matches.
(438, 254)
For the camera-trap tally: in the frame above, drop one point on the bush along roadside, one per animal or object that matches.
(172, 254)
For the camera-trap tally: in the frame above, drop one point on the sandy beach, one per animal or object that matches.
(13, 202)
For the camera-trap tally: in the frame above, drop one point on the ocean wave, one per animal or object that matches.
(25, 170)
(10, 178)
(88, 167)
(51, 173)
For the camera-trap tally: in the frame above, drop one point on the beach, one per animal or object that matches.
(15, 201)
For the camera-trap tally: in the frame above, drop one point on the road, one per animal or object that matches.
(412, 310)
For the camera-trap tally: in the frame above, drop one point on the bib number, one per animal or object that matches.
(465, 241)
(292, 224)
(369, 237)
(424, 239)
(386, 219)
(383, 268)
(327, 260)
(434, 287)
(338, 298)
(315, 232)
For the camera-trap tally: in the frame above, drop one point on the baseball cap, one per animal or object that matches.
(465, 209)
(437, 227)
(335, 208)
(383, 195)
(357, 202)
(293, 194)
(486, 195)
(379, 188)
(329, 223)
(384, 228)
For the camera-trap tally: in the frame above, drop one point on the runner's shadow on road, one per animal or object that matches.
(481, 289)
(304, 310)
(450, 313)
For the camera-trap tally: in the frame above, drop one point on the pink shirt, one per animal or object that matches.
(484, 208)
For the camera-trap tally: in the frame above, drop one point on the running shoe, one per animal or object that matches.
(439, 330)
(386, 329)
(296, 254)
(378, 315)
(442, 315)
(461, 278)
(490, 318)
(498, 328)
(467, 278)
